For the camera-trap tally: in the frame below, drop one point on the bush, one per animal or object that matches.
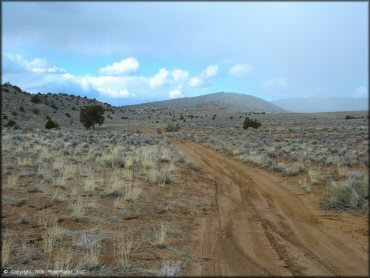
(67, 115)
(248, 122)
(51, 124)
(349, 117)
(36, 99)
(92, 115)
(36, 111)
(10, 123)
(171, 128)
(21, 108)
(351, 194)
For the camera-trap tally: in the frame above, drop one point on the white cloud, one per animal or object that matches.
(125, 66)
(159, 79)
(196, 82)
(176, 93)
(361, 92)
(210, 71)
(275, 85)
(240, 70)
(202, 79)
(180, 75)
(17, 64)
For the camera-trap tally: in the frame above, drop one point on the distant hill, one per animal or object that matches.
(216, 102)
(17, 105)
(322, 104)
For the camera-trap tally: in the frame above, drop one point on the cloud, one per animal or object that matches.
(210, 71)
(125, 66)
(202, 80)
(180, 75)
(275, 85)
(176, 93)
(361, 92)
(18, 64)
(240, 70)
(159, 79)
(196, 82)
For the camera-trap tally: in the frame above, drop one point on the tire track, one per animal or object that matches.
(265, 227)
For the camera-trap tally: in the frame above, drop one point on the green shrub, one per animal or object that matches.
(349, 117)
(36, 111)
(36, 99)
(21, 108)
(248, 122)
(173, 128)
(67, 115)
(92, 115)
(351, 194)
(10, 123)
(51, 124)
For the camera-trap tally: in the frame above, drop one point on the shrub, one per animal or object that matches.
(349, 117)
(92, 115)
(51, 124)
(248, 122)
(36, 111)
(21, 108)
(67, 115)
(14, 113)
(351, 194)
(10, 123)
(171, 128)
(36, 99)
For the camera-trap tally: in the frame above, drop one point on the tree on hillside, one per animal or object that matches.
(92, 115)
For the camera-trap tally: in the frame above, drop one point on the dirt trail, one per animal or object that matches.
(267, 227)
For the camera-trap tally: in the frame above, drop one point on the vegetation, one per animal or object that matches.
(36, 99)
(249, 122)
(92, 115)
(349, 117)
(10, 123)
(350, 194)
(173, 128)
(51, 124)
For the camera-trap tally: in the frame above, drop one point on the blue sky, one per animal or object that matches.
(127, 52)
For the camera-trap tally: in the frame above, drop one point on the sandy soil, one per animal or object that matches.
(265, 225)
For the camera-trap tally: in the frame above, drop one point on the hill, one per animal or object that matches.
(216, 102)
(31, 110)
(321, 104)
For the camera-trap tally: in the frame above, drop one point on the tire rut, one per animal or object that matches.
(263, 227)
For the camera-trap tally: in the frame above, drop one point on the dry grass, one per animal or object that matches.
(132, 192)
(63, 259)
(123, 252)
(160, 235)
(306, 184)
(90, 185)
(78, 209)
(91, 260)
(12, 181)
(5, 252)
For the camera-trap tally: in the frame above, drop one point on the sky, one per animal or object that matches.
(132, 52)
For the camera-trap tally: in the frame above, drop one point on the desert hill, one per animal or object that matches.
(31, 110)
(215, 102)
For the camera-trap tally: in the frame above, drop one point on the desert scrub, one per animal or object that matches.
(248, 122)
(351, 193)
(170, 269)
(123, 251)
(293, 169)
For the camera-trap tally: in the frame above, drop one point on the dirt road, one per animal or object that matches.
(265, 226)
